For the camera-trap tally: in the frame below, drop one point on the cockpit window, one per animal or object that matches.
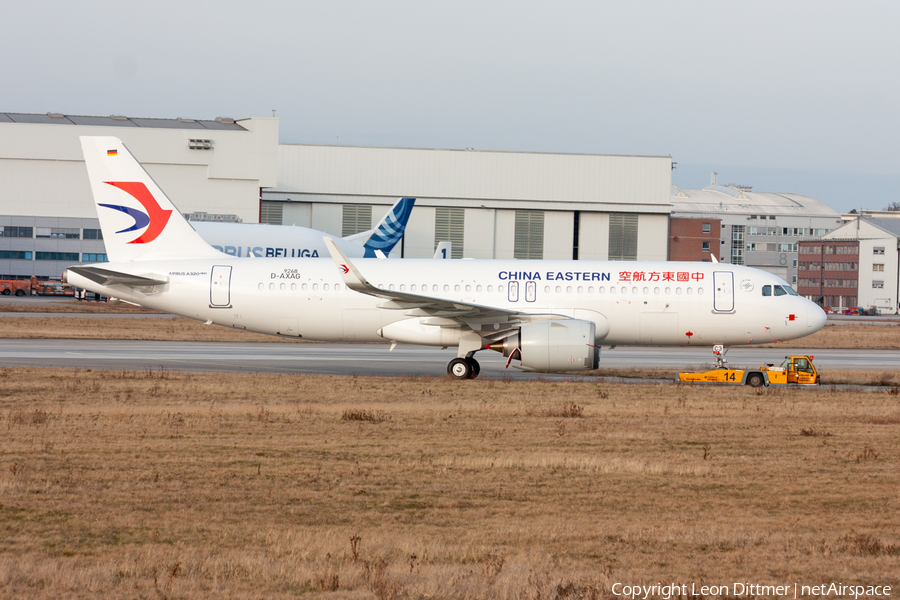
(767, 290)
(779, 291)
(791, 291)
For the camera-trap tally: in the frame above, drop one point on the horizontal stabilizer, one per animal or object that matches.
(106, 277)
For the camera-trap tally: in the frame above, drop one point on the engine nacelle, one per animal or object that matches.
(563, 345)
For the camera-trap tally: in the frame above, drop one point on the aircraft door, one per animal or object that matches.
(220, 287)
(513, 291)
(723, 286)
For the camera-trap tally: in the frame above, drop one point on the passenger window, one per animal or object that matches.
(767, 290)
(779, 291)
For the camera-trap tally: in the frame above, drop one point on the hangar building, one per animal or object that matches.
(489, 204)
(47, 215)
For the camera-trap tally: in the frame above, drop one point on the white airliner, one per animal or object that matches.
(284, 241)
(546, 315)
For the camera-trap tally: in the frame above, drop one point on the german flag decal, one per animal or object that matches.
(112, 152)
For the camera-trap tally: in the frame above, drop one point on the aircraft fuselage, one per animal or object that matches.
(652, 303)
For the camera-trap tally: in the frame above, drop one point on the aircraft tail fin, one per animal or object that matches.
(138, 220)
(388, 231)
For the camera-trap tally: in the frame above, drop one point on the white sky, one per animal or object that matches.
(786, 96)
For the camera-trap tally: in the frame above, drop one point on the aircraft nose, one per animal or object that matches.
(815, 317)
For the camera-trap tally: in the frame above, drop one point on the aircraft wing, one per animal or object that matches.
(490, 322)
(106, 277)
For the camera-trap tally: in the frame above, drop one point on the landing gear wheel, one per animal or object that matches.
(460, 368)
(755, 380)
(476, 368)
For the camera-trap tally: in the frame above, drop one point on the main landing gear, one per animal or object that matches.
(464, 368)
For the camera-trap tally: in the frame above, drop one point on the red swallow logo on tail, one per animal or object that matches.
(155, 218)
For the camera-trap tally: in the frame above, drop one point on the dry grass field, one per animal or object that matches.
(164, 485)
(850, 336)
(70, 305)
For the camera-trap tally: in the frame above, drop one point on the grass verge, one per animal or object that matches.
(159, 484)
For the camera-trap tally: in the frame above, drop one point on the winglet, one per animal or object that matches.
(353, 279)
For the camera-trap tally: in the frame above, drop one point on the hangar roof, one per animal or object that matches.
(220, 123)
(734, 200)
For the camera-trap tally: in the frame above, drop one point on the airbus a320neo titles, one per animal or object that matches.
(544, 315)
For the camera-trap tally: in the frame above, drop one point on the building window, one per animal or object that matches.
(529, 243)
(69, 256)
(737, 244)
(623, 232)
(93, 234)
(878, 250)
(878, 268)
(356, 218)
(705, 246)
(25, 232)
(270, 213)
(450, 226)
(15, 254)
(94, 257)
(57, 233)
(706, 228)
(877, 285)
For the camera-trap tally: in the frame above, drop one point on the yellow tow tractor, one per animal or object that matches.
(797, 370)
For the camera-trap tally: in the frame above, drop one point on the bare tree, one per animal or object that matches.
(893, 206)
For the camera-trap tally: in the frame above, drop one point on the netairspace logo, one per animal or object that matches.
(795, 590)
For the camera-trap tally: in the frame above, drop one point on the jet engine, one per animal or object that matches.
(561, 345)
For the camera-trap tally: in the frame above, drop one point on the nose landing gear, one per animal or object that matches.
(719, 351)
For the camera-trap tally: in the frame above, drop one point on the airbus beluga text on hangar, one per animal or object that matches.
(275, 241)
(545, 315)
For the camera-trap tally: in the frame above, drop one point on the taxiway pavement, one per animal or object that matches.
(376, 359)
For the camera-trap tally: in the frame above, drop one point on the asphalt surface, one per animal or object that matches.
(376, 359)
